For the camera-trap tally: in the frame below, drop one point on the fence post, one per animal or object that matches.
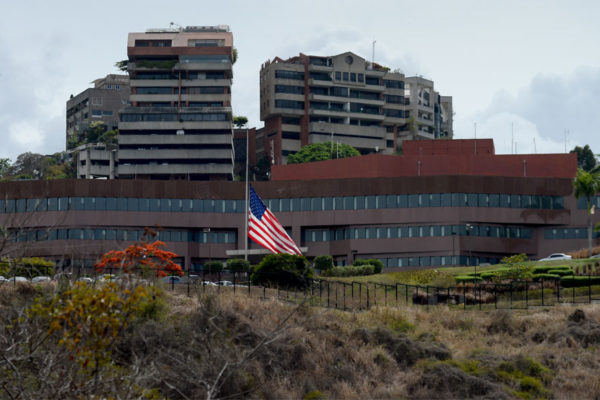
(396, 295)
(479, 286)
(495, 297)
(328, 294)
(589, 288)
(427, 296)
(249, 283)
(448, 298)
(344, 289)
(375, 294)
(336, 295)
(360, 296)
(416, 294)
(557, 285)
(511, 295)
(526, 294)
(188, 284)
(464, 296)
(352, 293)
(368, 307)
(321, 290)
(573, 291)
(406, 290)
(234, 282)
(203, 279)
(542, 280)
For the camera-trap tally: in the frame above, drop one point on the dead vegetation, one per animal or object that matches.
(225, 346)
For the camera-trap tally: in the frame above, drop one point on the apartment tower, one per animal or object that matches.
(347, 99)
(179, 124)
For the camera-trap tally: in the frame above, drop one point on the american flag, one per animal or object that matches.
(265, 230)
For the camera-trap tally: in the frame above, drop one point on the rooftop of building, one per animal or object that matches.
(474, 157)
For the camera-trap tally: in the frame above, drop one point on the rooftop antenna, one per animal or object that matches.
(512, 137)
(171, 24)
(475, 133)
(373, 57)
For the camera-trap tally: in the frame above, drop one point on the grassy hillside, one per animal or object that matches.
(232, 346)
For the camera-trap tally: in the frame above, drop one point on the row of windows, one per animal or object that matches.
(283, 74)
(205, 58)
(568, 233)
(393, 84)
(289, 89)
(394, 232)
(196, 236)
(296, 105)
(349, 76)
(432, 261)
(284, 205)
(184, 90)
(155, 117)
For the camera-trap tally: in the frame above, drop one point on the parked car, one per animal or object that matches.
(556, 256)
(208, 283)
(106, 278)
(224, 283)
(20, 279)
(41, 279)
(85, 279)
(3, 279)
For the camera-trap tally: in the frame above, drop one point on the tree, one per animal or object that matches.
(284, 270)
(239, 121)
(29, 166)
(4, 166)
(323, 263)
(585, 158)
(143, 256)
(122, 65)
(377, 264)
(213, 266)
(262, 169)
(586, 184)
(322, 151)
(238, 265)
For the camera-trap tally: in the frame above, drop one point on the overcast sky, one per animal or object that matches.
(520, 72)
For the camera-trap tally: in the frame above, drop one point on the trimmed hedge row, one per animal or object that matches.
(349, 271)
(578, 281)
(467, 278)
(545, 269)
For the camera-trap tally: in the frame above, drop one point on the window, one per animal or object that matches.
(289, 89)
(345, 76)
(297, 105)
(282, 74)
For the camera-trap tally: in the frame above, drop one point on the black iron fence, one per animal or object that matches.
(355, 295)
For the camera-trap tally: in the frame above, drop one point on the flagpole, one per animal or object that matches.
(246, 212)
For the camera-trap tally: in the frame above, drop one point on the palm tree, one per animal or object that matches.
(587, 184)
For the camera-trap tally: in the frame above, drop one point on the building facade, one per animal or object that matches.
(179, 124)
(101, 103)
(409, 211)
(347, 99)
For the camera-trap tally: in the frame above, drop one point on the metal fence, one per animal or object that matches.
(364, 295)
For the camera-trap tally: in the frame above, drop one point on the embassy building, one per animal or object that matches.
(441, 203)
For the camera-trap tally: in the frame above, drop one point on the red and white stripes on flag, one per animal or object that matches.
(265, 230)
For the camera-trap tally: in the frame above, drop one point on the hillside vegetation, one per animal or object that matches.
(115, 342)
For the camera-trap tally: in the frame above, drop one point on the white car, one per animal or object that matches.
(556, 256)
(85, 279)
(41, 279)
(20, 279)
(3, 279)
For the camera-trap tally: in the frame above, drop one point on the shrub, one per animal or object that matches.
(539, 277)
(323, 263)
(578, 281)
(561, 272)
(238, 265)
(350, 271)
(30, 267)
(487, 275)
(371, 261)
(542, 269)
(213, 266)
(285, 270)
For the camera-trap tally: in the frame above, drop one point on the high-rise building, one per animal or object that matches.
(101, 103)
(345, 98)
(179, 124)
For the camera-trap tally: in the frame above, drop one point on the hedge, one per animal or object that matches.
(377, 264)
(561, 272)
(543, 269)
(539, 277)
(349, 271)
(578, 281)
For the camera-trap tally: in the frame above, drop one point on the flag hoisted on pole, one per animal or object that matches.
(265, 230)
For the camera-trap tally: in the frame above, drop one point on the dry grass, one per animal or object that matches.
(234, 346)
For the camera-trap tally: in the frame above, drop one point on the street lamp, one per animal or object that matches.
(469, 228)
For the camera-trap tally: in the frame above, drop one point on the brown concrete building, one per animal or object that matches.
(101, 103)
(345, 98)
(403, 218)
(179, 124)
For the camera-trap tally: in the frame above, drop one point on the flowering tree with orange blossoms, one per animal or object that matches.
(142, 255)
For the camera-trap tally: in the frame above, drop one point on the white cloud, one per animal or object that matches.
(26, 135)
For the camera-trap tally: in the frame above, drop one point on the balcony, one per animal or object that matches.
(377, 132)
(144, 169)
(172, 154)
(175, 125)
(207, 138)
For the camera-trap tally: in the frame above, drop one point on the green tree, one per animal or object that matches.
(323, 263)
(4, 166)
(586, 184)
(322, 151)
(238, 265)
(284, 270)
(122, 65)
(240, 121)
(518, 268)
(262, 169)
(585, 158)
(213, 266)
(377, 264)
